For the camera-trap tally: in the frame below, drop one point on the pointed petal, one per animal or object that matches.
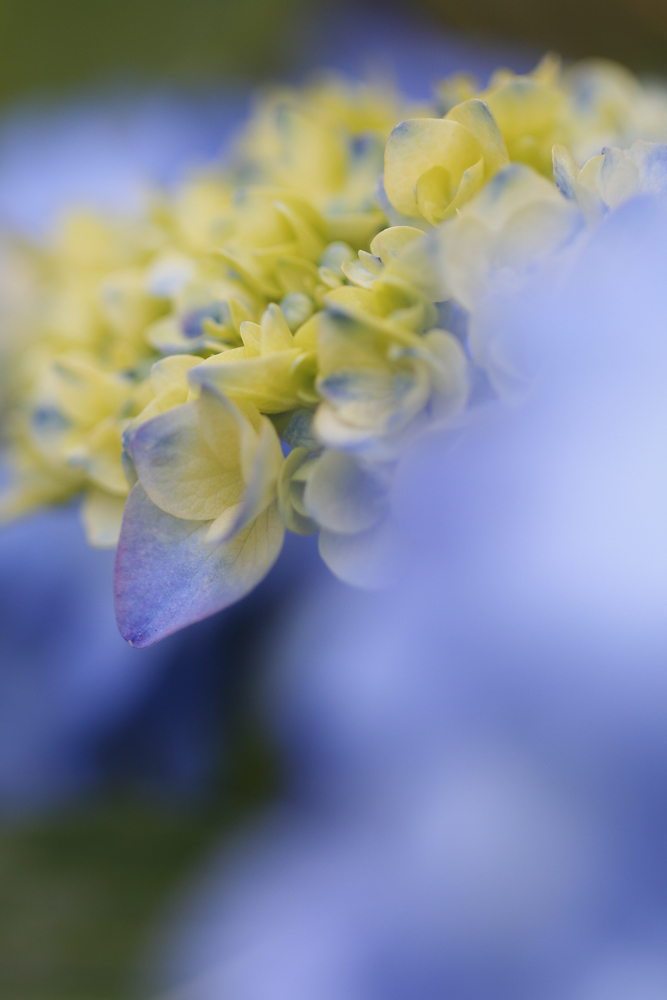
(167, 576)
(275, 333)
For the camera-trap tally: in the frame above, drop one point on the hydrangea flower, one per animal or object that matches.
(257, 350)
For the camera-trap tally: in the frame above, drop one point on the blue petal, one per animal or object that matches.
(167, 576)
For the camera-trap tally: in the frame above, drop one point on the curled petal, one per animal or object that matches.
(416, 146)
(436, 197)
(436, 164)
(477, 117)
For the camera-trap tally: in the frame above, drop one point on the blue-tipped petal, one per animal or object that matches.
(566, 171)
(168, 577)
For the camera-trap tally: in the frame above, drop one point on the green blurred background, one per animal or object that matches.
(49, 45)
(52, 45)
(81, 886)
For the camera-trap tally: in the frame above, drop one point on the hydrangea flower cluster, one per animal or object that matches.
(256, 352)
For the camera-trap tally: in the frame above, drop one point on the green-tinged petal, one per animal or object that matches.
(222, 422)
(125, 304)
(102, 514)
(392, 214)
(353, 341)
(167, 576)
(305, 337)
(368, 394)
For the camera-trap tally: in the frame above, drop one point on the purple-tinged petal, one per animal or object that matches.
(167, 576)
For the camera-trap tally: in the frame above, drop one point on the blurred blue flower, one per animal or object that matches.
(104, 150)
(477, 759)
